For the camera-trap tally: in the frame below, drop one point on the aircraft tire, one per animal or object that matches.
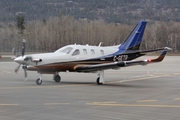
(57, 78)
(98, 81)
(39, 81)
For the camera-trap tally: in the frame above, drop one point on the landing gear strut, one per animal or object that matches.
(100, 80)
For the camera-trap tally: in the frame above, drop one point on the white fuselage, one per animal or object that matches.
(67, 54)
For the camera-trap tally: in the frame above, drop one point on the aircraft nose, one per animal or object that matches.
(19, 60)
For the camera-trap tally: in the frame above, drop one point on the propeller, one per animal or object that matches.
(14, 51)
(17, 68)
(23, 47)
(21, 59)
(25, 72)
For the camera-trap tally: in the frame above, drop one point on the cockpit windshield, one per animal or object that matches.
(66, 50)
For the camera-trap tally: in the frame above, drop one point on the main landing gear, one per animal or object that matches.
(56, 78)
(100, 80)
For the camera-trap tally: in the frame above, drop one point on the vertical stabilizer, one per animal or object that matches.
(134, 39)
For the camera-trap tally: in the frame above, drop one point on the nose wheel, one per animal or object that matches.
(39, 81)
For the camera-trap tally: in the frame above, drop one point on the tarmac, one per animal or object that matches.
(149, 92)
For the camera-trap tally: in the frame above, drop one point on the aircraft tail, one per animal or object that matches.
(133, 41)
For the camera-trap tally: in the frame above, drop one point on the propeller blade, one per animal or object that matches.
(14, 51)
(17, 68)
(23, 47)
(25, 74)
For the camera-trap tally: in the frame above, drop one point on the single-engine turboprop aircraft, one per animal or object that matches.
(89, 59)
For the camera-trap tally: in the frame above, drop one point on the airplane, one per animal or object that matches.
(89, 59)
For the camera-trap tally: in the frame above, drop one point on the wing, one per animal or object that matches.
(115, 65)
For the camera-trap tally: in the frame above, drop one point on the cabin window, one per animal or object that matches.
(102, 52)
(92, 52)
(84, 51)
(76, 52)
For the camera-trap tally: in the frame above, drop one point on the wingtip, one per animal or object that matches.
(168, 49)
(159, 59)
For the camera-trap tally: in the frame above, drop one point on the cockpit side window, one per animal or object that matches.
(76, 52)
(66, 50)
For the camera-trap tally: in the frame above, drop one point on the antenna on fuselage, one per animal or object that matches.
(100, 44)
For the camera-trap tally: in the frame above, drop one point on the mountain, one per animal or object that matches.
(118, 11)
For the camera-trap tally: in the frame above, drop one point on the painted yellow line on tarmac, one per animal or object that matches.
(176, 73)
(134, 105)
(56, 103)
(147, 101)
(9, 104)
(4, 71)
(110, 102)
(104, 102)
(176, 98)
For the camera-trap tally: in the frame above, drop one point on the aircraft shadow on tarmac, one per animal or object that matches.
(107, 84)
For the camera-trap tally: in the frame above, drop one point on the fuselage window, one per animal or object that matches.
(102, 52)
(76, 52)
(92, 52)
(66, 50)
(84, 51)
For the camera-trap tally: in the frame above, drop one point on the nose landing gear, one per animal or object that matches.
(39, 80)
